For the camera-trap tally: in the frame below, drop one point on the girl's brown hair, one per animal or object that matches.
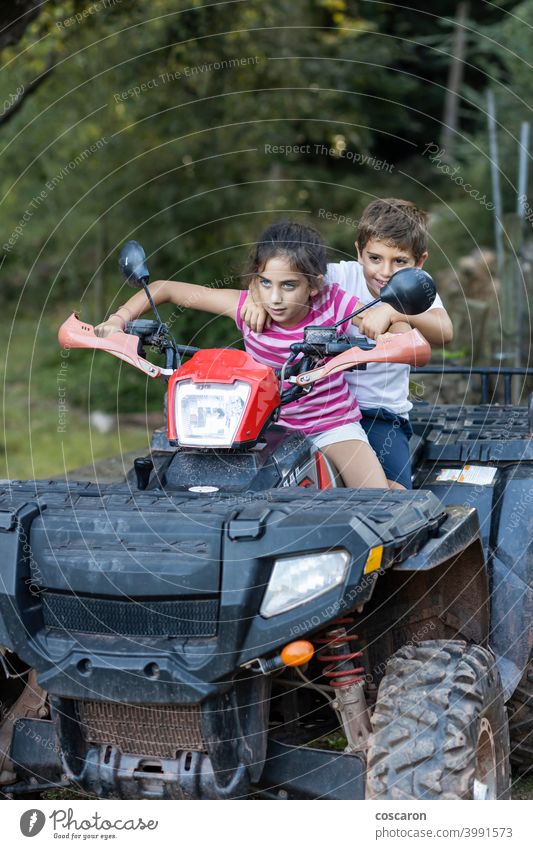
(302, 246)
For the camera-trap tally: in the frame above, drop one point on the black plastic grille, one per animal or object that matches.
(182, 618)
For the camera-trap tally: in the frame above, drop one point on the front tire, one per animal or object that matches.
(440, 726)
(521, 723)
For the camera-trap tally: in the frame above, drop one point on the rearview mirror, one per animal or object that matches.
(410, 291)
(132, 264)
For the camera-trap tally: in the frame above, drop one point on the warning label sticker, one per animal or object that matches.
(479, 475)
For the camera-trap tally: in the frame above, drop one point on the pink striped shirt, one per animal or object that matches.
(330, 403)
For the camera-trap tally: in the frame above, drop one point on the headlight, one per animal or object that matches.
(296, 580)
(208, 414)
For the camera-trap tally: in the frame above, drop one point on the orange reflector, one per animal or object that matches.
(297, 653)
(373, 561)
(324, 478)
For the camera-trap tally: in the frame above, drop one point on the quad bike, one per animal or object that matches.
(218, 624)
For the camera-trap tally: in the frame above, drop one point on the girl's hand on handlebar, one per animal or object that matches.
(397, 327)
(106, 328)
(256, 317)
(376, 321)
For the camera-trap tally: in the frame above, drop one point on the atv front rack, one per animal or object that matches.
(490, 434)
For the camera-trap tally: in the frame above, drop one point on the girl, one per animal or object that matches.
(286, 277)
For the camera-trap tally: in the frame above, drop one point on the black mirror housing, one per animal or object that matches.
(410, 291)
(132, 264)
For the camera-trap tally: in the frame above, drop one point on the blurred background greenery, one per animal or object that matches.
(190, 126)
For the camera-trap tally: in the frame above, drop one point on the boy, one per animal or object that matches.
(392, 234)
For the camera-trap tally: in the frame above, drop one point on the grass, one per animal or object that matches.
(39, 438)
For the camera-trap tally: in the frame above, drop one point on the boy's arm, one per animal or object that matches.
(435, 325)
(218, 301)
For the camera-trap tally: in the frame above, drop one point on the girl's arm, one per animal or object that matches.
(254, 315)
(435, 325)
(375, 322)
(218, 301)
(396, 327)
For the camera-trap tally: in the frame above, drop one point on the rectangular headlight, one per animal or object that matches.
(296, 580)
(209, 414)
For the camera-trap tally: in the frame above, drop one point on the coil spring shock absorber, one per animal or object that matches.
(347, 679)
(339, 655)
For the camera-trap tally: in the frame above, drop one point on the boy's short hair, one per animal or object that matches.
(397, 222)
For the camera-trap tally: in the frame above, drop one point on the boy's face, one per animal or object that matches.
(380, 260)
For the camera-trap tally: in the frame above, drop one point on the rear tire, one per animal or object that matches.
(521, 723)
(440, 726)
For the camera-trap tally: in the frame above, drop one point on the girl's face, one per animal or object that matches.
(285, 294)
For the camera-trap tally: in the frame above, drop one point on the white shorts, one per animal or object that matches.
(343, 433)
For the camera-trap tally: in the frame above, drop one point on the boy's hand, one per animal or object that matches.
(375, 321)
(256, 317)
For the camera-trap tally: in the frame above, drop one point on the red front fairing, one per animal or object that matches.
(217, 365)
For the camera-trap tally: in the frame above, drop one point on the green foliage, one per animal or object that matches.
(190, 126)
(188, 101)
(41, 439)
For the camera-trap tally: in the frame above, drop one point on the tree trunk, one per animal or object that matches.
(450, 117)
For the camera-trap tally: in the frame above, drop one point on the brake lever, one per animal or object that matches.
(363, 343)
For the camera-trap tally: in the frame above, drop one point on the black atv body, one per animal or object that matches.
(281, 458)
(170, 631)
(499, 438)
(140, 609)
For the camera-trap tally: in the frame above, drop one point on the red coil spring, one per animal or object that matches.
(339, 652)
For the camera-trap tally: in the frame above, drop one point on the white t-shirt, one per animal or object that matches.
(382, 384)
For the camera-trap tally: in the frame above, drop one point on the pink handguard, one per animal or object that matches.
(408, 348)
(74, 333)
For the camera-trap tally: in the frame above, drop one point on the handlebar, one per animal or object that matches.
(143, 327)
(319, 343)
(409, 348)
(330, 347)
(156, 334)
(127, 346)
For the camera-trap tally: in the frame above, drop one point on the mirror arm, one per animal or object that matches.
(356, 312)
(150, 300)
